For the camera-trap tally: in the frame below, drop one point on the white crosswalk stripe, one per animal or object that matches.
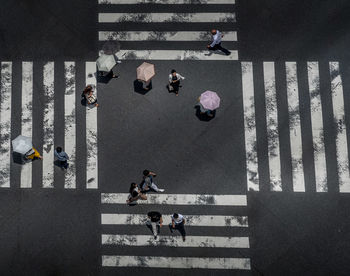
(5, 123)
(316, 111)
(166, 239)
(176, 262)
(179, 199)
(47, 110)
(70, 123)
(91, 131)
(27, 120)
(191, 220)
(109, 30)
(163, 36)
(48, 126)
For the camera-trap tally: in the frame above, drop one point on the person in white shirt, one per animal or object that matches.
(178, 222)
(216, 44)
(174, 82)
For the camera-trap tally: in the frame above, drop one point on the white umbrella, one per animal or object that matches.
(105, 63)
(22, 144)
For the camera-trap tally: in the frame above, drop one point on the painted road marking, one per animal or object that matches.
(48, 126)
(5, 123)
(272, 126)
(340, 128)
(169, 2)
(191, 220)
(91, 132)
(295, 128)
(198, 17)
(70, 124)
(176, 241)
(27, 118)
(175, 55)
(250, 126)
(178, 199)
(176, 262)
(317, 127)
(163, 36)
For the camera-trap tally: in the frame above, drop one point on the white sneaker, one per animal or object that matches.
(161, 190)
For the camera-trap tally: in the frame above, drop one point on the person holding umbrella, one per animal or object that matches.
(23, 146)
(105, 63)
(145, 73)
(208, 102)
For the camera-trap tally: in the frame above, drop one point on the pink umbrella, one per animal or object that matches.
(210, 100)
(145, 71)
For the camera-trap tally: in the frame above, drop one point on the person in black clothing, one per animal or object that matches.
(155, 220)
(174, 82)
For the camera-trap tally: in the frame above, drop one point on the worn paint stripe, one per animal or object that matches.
(48, 125)
(91, 132)
(340, 128)
(175, 55)
(191, 220)
(272, 126)
(294, 127)
(250, 127)
(70, 124)
(5, 123)
(178, 199)
(163, 36)
(317, 127)
(27, 118)
(198, 17)
(176, 241)
(176, 262)
(169, 2)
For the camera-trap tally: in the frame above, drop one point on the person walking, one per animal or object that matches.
(62, 157)
(135, 194)
(216, 44)
(204, 110)
(178, 222)
(174, 82)
(155, 220)
(89, 96)
(148, 184)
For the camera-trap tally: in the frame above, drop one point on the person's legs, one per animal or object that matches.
(222, 49)
(181, 228)
(154, 229)
(155, 188)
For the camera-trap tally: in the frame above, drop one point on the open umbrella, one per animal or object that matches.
(22, 144)
(105, 63)
(145, 71)
(210, 100)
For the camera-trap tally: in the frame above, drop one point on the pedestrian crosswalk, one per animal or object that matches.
(39, 91)
(167, 32)
(305, 120)
(224, 247)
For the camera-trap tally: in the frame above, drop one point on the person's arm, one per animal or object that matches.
(161, 222)
(172, 223)
(180, 77)
(184, 220)
(66, 155)
(153, 174)
(170, 79)
(214, 42)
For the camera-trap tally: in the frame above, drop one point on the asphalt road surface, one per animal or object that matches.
(263, 185)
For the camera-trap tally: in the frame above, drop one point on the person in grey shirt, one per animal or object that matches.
(62, 157)
(216, 44)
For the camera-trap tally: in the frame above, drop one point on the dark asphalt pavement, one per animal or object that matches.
(57, 232)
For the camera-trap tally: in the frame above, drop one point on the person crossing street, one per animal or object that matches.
(216, 44)
(178, 222)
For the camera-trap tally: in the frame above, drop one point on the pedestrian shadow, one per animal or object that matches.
(203, 117)
(18, 158)
(138, 87)
(104, 78)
